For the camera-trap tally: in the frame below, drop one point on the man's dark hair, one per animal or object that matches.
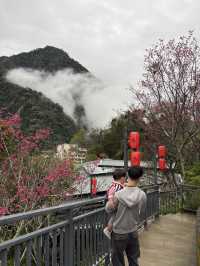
(118, 174)
(135, 172)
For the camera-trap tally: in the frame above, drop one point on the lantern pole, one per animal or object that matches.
(155, 165)
(126, 142)
(126, 149)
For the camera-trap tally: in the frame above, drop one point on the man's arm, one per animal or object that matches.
(111, 205)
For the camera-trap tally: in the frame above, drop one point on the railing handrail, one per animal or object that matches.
(12, 218)
(147, 187)
(189, 185)
(27, 237)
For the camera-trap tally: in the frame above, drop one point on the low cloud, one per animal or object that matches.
(101, 102)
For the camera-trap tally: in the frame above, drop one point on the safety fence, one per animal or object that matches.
(72, 234)
(69, 234)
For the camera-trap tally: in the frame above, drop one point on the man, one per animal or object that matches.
(129, 204)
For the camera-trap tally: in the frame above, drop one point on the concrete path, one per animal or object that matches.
(169, 241)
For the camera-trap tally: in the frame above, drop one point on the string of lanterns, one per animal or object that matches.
(135, 156)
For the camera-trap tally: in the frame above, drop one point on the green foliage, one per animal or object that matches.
(193, 174)
(79, 138)
(192, 200)
(49, 59)
(37, 112)
(110, 140)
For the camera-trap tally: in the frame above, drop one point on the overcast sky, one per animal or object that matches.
(109, 37)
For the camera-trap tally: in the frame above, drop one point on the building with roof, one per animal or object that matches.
(72, 152)
(103, 171)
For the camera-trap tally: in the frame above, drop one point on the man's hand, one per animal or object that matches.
(111, 205)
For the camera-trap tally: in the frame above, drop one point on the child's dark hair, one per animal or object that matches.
(119, 173)
(135, 172)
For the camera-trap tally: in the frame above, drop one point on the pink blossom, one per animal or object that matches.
(23, 186)
(19, 135)
(13, 120)
(43, 190)
(80, 178)
(26, 146)
(41, 134)
(3, 211)
(62, 170)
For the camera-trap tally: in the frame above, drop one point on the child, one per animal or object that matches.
(119, 177)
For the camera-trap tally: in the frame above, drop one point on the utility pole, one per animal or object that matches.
(126, 131)
(126, 148)
(155, 165)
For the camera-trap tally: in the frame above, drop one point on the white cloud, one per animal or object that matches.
(101, 102)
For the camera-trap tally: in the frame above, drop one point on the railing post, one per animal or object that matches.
(145, 220)
(198, 235)
(69, 241)
(126, 149)
(157, 202)
(4, 259)
(182, 199)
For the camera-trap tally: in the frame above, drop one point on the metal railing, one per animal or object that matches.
(190, 197)
(69, 238)
(198, 237)
(67, 235)
(72, 234)
(170, 201)
(183, 198)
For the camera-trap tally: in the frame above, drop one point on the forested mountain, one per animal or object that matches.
(36, 110)
(50, 59)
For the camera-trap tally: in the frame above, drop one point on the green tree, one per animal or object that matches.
(110, 140)
(193, 174)
(80, 138)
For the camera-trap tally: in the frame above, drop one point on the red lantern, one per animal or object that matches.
(93, 186)
(134, 140)
(162, 164)
(135, 158)
(162, 152)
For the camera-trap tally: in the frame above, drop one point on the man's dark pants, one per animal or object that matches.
(128, 243)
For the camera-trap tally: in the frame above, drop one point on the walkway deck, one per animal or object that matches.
(169, 241)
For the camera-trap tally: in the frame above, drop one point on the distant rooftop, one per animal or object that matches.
(120, 163)
(107, 166)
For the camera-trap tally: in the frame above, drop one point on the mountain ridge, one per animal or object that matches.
(38, 111)
(40, 59)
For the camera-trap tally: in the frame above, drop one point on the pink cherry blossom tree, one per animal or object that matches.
(169, 95)
(28, 178)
